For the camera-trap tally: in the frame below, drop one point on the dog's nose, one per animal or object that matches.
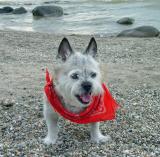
(87, 86)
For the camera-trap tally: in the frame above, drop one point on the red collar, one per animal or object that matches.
(103, 107)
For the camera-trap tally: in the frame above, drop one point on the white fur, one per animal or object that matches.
(67, 88)
(51, 118)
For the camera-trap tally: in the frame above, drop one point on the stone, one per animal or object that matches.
(143, 31)
(20, 10)
(7, 103)
(48, 2)
(45, 11)
(126, 21)
(6, 10)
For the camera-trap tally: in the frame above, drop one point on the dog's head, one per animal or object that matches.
(78, 78)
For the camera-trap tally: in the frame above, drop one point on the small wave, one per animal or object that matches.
(19, 2)
(12, 3)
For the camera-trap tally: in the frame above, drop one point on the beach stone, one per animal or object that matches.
(20, 10)
(48, 2)
(44, 11)
(143, 31)
(7, 103)
(126, 21)
(6, 10)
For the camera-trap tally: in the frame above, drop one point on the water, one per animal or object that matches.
(83, 16)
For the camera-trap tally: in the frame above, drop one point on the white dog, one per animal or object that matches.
(76, 80)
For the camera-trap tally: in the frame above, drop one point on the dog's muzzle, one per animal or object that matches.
(85, 97)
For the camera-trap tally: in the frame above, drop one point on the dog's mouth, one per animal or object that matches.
(84, 98)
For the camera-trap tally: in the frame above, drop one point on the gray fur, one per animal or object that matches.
(83, 66)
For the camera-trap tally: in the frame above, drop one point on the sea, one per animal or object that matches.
(82, 16)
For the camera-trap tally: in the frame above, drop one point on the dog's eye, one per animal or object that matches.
(75, 76)
(93, 74)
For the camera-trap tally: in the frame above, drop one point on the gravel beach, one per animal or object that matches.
(133, 77)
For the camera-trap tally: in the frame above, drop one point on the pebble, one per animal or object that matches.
(7, 103)
(25, 137)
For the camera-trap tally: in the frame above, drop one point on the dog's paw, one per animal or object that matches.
(101, 139)
(49, 141)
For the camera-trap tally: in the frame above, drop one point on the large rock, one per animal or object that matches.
(20, 10)
(44, 11)
(126, 21)
(6, 10)
(143, 31)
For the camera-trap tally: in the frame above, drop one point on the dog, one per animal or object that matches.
(76, 80)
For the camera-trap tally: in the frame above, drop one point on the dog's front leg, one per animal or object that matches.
(51, 118)
(96, 135)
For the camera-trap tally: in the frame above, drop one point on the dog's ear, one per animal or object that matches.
(91, 48)
(64, 50)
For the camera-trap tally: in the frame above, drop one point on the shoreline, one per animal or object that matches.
(132, 66)
(105, 35)
(150, 33)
